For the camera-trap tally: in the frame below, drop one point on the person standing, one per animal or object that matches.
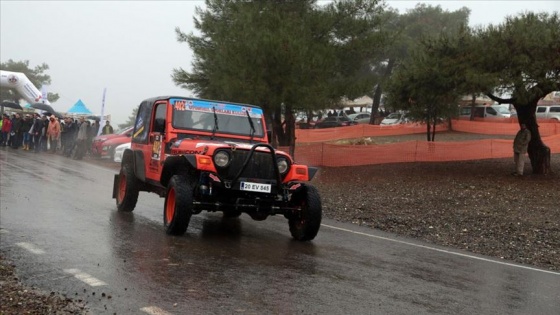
(69, 137)
(95, 127)
(53, 133)
(81, 139)
(5, 132)
(107, 129)
(27, 123)
(15, 134)
(520, 144)
(36, 131)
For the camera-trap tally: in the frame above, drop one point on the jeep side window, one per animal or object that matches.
(541, 109)
(555, 109)
(159, 119)
(141, 125)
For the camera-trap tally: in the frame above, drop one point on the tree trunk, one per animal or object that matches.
(278, 128)
(473, 106)
(375, 104)
(379, 90)
(539, 153)
(434, 129)
(290, 129)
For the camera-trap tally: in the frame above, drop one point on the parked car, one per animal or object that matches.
(109, 146)
(395, 119)
(487, 111)
(360, 118)
(120, 150)
(98, 147)
(335, 121)
(548, 112)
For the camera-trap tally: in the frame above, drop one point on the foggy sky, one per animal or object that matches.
(130, 47)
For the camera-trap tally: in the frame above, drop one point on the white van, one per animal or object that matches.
(486, 111)
(548, 112)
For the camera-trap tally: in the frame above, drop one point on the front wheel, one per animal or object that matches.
(127, 193)
(304, 225)
(177, 211)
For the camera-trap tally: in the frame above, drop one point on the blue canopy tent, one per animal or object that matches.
(79, 109)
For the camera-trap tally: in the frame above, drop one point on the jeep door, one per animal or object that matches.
(153, 152)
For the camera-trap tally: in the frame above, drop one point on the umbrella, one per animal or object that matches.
(57, 115)
(11, 105)
(47, 108)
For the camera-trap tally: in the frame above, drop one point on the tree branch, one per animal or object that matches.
(499, 99)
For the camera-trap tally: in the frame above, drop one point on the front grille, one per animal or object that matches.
(260, 166)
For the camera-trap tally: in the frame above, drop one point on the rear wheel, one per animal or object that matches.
(304, 225)
(127, 194)
(177, 211)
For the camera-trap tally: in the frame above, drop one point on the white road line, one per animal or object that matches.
(153, 310)
(82, 276)
(31, 248)
(442, 250)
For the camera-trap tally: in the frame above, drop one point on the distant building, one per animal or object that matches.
(551, 99)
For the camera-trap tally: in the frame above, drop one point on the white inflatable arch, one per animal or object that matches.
(19, 82)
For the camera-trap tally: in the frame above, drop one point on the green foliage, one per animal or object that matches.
(405, 35)
(131, 119)
(520, 57)
(36, 75)
(281, 54)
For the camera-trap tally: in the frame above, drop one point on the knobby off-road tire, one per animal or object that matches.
(127, 192)
(177, 210)
(305, 225)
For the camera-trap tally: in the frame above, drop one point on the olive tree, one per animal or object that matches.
(282, 55)
(516, 62)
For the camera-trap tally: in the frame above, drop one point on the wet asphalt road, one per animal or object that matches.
(61, 228)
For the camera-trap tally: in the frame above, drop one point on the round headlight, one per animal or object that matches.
(221, 159)
(282, 165)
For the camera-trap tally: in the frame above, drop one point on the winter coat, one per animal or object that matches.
(17, 124)
(522, 139)
(37, 126)
(53, 130)
(82, 132)
(26, 124)
(7, 125)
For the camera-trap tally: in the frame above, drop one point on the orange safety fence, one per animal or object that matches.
(507, 126)
(323, 153)
(359, 131)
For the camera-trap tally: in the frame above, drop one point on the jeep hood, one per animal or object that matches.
(197, 146)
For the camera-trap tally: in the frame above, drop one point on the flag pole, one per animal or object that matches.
(102, 120)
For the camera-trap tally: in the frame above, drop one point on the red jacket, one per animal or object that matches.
(6, 125)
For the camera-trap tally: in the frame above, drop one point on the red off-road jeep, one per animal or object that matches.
(214, 156)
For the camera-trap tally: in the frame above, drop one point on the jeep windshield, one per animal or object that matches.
(217, 117)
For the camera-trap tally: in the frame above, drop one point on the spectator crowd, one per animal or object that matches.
(47, 133)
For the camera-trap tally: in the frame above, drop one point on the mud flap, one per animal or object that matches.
(115, 185)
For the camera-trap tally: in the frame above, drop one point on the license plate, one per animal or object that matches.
(256, 187)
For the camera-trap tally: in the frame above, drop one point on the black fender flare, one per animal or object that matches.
(139, 166)
(177, 164)
(136, 160)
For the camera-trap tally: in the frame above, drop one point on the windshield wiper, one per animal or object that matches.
(252, 126)
(215, 124)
